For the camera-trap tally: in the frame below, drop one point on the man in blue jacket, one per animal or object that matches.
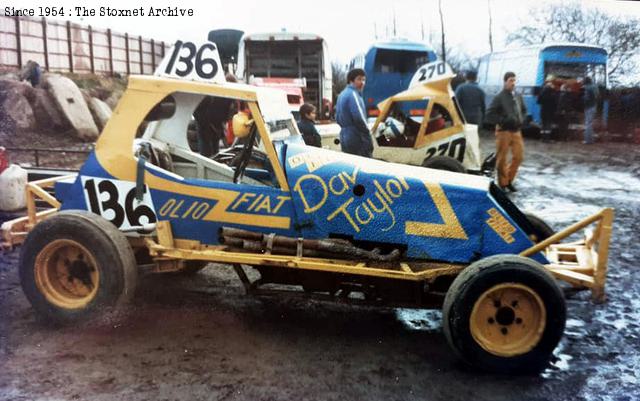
(350, 115)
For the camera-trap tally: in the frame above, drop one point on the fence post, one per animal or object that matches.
(140, 52)
(126, 47)
(153, 56)
(69, 47)
(109, 42)
(45, 41)
(18, 41)
(93, 67)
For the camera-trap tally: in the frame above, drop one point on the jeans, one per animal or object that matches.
(588, 124)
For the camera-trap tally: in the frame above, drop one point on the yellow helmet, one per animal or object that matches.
(241, 125)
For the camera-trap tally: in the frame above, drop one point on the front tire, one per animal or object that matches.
(504, 314)
(75, 265)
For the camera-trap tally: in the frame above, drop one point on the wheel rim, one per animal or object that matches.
(66, 273)
(508, 319)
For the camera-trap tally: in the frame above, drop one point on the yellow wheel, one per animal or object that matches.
(508, 319)
(75, 265)
(66, 274)
(504, 314)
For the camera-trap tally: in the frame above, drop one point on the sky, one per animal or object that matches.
(349, 27)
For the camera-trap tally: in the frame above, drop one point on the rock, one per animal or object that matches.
(101, 112)
(16, 113)
(46, 112)
(113, 100)
(9, 76)
(73, 106)
(101, 93)
(86, 95)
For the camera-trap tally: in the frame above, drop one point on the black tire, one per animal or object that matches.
(518, 275)
(444, 163)
(541, 229)
(87, 249)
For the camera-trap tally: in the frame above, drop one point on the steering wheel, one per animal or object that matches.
(245, 156)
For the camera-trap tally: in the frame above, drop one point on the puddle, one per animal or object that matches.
(420, 319)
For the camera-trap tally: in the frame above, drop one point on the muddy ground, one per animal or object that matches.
(201, 338)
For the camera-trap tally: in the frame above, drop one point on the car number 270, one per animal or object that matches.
(454, 149)
(116, 201)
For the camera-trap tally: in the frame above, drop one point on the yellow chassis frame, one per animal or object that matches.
(583, 264)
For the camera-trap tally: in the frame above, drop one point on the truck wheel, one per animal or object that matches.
(504, 314)
(444, 163)
(74, 265)
(541, 228)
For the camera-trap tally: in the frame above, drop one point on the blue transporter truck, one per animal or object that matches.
(331, 223)
(565, 65)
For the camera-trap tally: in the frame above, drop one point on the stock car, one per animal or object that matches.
(423, 126)
(335, 225)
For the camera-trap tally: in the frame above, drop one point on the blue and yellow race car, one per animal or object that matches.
(343, 226)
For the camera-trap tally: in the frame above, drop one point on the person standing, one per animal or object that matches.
(506, 112)
(306, 126)
(354, 132)
(548, 101)
(564, 112)
(471, 99)
(211, 116)
(31, 72)
(590, 99)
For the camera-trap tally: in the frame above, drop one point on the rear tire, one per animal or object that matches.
(444, 163)
(76, 265)
(504, 314)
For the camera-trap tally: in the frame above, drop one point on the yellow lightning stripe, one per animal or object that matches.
(451, 227)
(224, 198)
(124, 168)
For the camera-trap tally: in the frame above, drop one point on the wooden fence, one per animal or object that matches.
(70, 47)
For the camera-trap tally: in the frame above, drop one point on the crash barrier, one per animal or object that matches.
(71, 47)
(38, 152)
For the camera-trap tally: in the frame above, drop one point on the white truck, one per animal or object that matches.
(289, 55)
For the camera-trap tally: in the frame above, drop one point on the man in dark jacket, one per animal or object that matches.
(354, 132)
(471, 99)
(565, 107)
(548, 101)
(507, 112)
(211, 115)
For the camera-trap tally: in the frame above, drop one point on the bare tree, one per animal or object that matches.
(443, 41)
(459, 60)
(573, 22)
(339, 78)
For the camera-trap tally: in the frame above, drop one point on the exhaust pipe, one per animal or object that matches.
(278, 244)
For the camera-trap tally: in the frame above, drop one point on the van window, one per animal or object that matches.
(400, 61)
